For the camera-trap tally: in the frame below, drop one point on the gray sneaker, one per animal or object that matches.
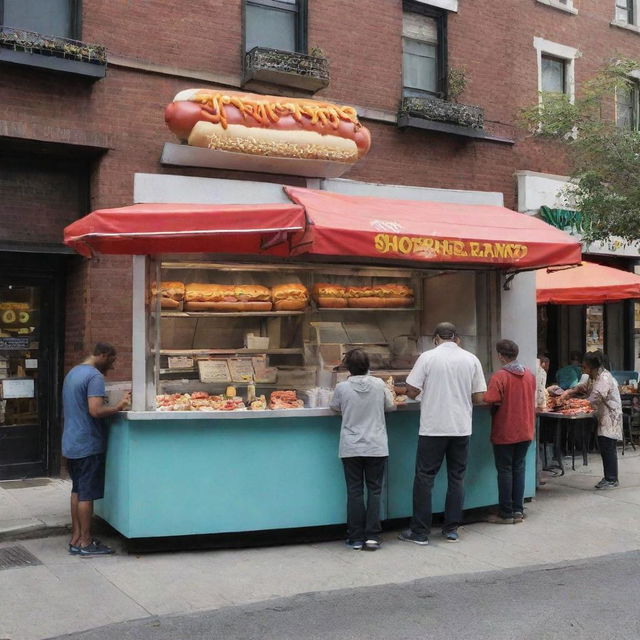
(496, 518)
(409, 536)
(608, 484)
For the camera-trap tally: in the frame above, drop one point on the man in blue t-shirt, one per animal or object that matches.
(84, 442)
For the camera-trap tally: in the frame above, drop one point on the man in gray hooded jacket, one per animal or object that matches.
(362, 400)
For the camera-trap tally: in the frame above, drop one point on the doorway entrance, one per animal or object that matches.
(30, 344)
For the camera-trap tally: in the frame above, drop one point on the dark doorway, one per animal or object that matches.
(31, 321)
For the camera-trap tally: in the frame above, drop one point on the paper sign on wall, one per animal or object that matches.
(30, 363)
(18, 388)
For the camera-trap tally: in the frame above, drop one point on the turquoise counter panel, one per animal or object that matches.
(185, 476)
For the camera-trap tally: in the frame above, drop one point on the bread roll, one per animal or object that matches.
(168, 303)
(290, 304)
(289, 291)
(375, 302)
(273, 142)
(228, 306)
(332, 303)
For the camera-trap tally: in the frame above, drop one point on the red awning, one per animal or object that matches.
(587, 284)
(435, 232)
(183, 228)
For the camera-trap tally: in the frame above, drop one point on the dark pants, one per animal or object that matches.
(432, 450)
(510, 464)
(363, 523)
(609, 453)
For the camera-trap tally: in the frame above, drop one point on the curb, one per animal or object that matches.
(31, 532)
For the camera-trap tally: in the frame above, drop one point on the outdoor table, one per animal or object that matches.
(558, 420)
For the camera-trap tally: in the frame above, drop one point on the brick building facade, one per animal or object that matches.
(71, 143)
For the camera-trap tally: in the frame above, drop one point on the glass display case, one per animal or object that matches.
(245, 330)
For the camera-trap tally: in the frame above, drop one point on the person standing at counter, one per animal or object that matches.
(513, 390)
(84, 442)
(362, 400)
(601, 388)
(449, 380)
(569, 376)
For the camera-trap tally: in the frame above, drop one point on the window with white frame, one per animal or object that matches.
(625, 11)
(276, 24)
(556, 68)
(564, 5)
(554, 74)
(628, 106)
(423, 50)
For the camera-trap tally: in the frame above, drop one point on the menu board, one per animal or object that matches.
(214, 371)
(180, 362)
(18, 388)
(241, 369)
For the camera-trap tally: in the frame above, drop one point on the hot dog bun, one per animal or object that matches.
(379, 303)
(290, 304)
(290, 290)
(168, 303)
(259, 113)
(331, 303)
(290, 297)
(228, 306)
(329, 295)
(198, 292)
(273, 142)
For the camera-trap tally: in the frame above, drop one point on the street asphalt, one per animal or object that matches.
(597, 599)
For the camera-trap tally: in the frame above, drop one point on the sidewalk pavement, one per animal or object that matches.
(567, 523)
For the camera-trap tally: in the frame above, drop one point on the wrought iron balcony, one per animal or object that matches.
(19, 46)
(299, 71)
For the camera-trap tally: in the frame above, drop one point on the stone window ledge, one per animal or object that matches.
(625, 25)
(559, 5)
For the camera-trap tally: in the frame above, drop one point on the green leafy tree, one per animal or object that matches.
(605, 185)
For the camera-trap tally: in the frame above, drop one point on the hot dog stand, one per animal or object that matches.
(218, 468)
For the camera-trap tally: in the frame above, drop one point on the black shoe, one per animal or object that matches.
(409, 536)
(74, 549)
(372, 545)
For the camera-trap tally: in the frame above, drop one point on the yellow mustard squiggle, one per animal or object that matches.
(266, 112)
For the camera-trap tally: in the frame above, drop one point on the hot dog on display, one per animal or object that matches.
(268, 125)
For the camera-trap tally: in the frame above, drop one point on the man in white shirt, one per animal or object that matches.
(449, 380)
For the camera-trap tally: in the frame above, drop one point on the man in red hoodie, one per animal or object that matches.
(512, 391)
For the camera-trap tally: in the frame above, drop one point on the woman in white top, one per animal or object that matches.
(604, 396)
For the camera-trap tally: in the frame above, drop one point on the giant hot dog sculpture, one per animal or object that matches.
(268, 125)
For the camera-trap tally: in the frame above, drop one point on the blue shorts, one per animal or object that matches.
(87, 476)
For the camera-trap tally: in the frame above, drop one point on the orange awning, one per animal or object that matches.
(588, 283)
(322, 223)
(184, 228)
(433, 232)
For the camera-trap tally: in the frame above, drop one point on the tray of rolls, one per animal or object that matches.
(196, 296)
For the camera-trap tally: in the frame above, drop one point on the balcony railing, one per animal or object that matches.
(52, 52)
(299, 71)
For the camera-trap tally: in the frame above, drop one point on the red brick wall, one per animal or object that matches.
(492, 40)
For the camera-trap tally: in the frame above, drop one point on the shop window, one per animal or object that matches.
(423, 51)
(276, 24)
(628, 107)
(53, 17)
